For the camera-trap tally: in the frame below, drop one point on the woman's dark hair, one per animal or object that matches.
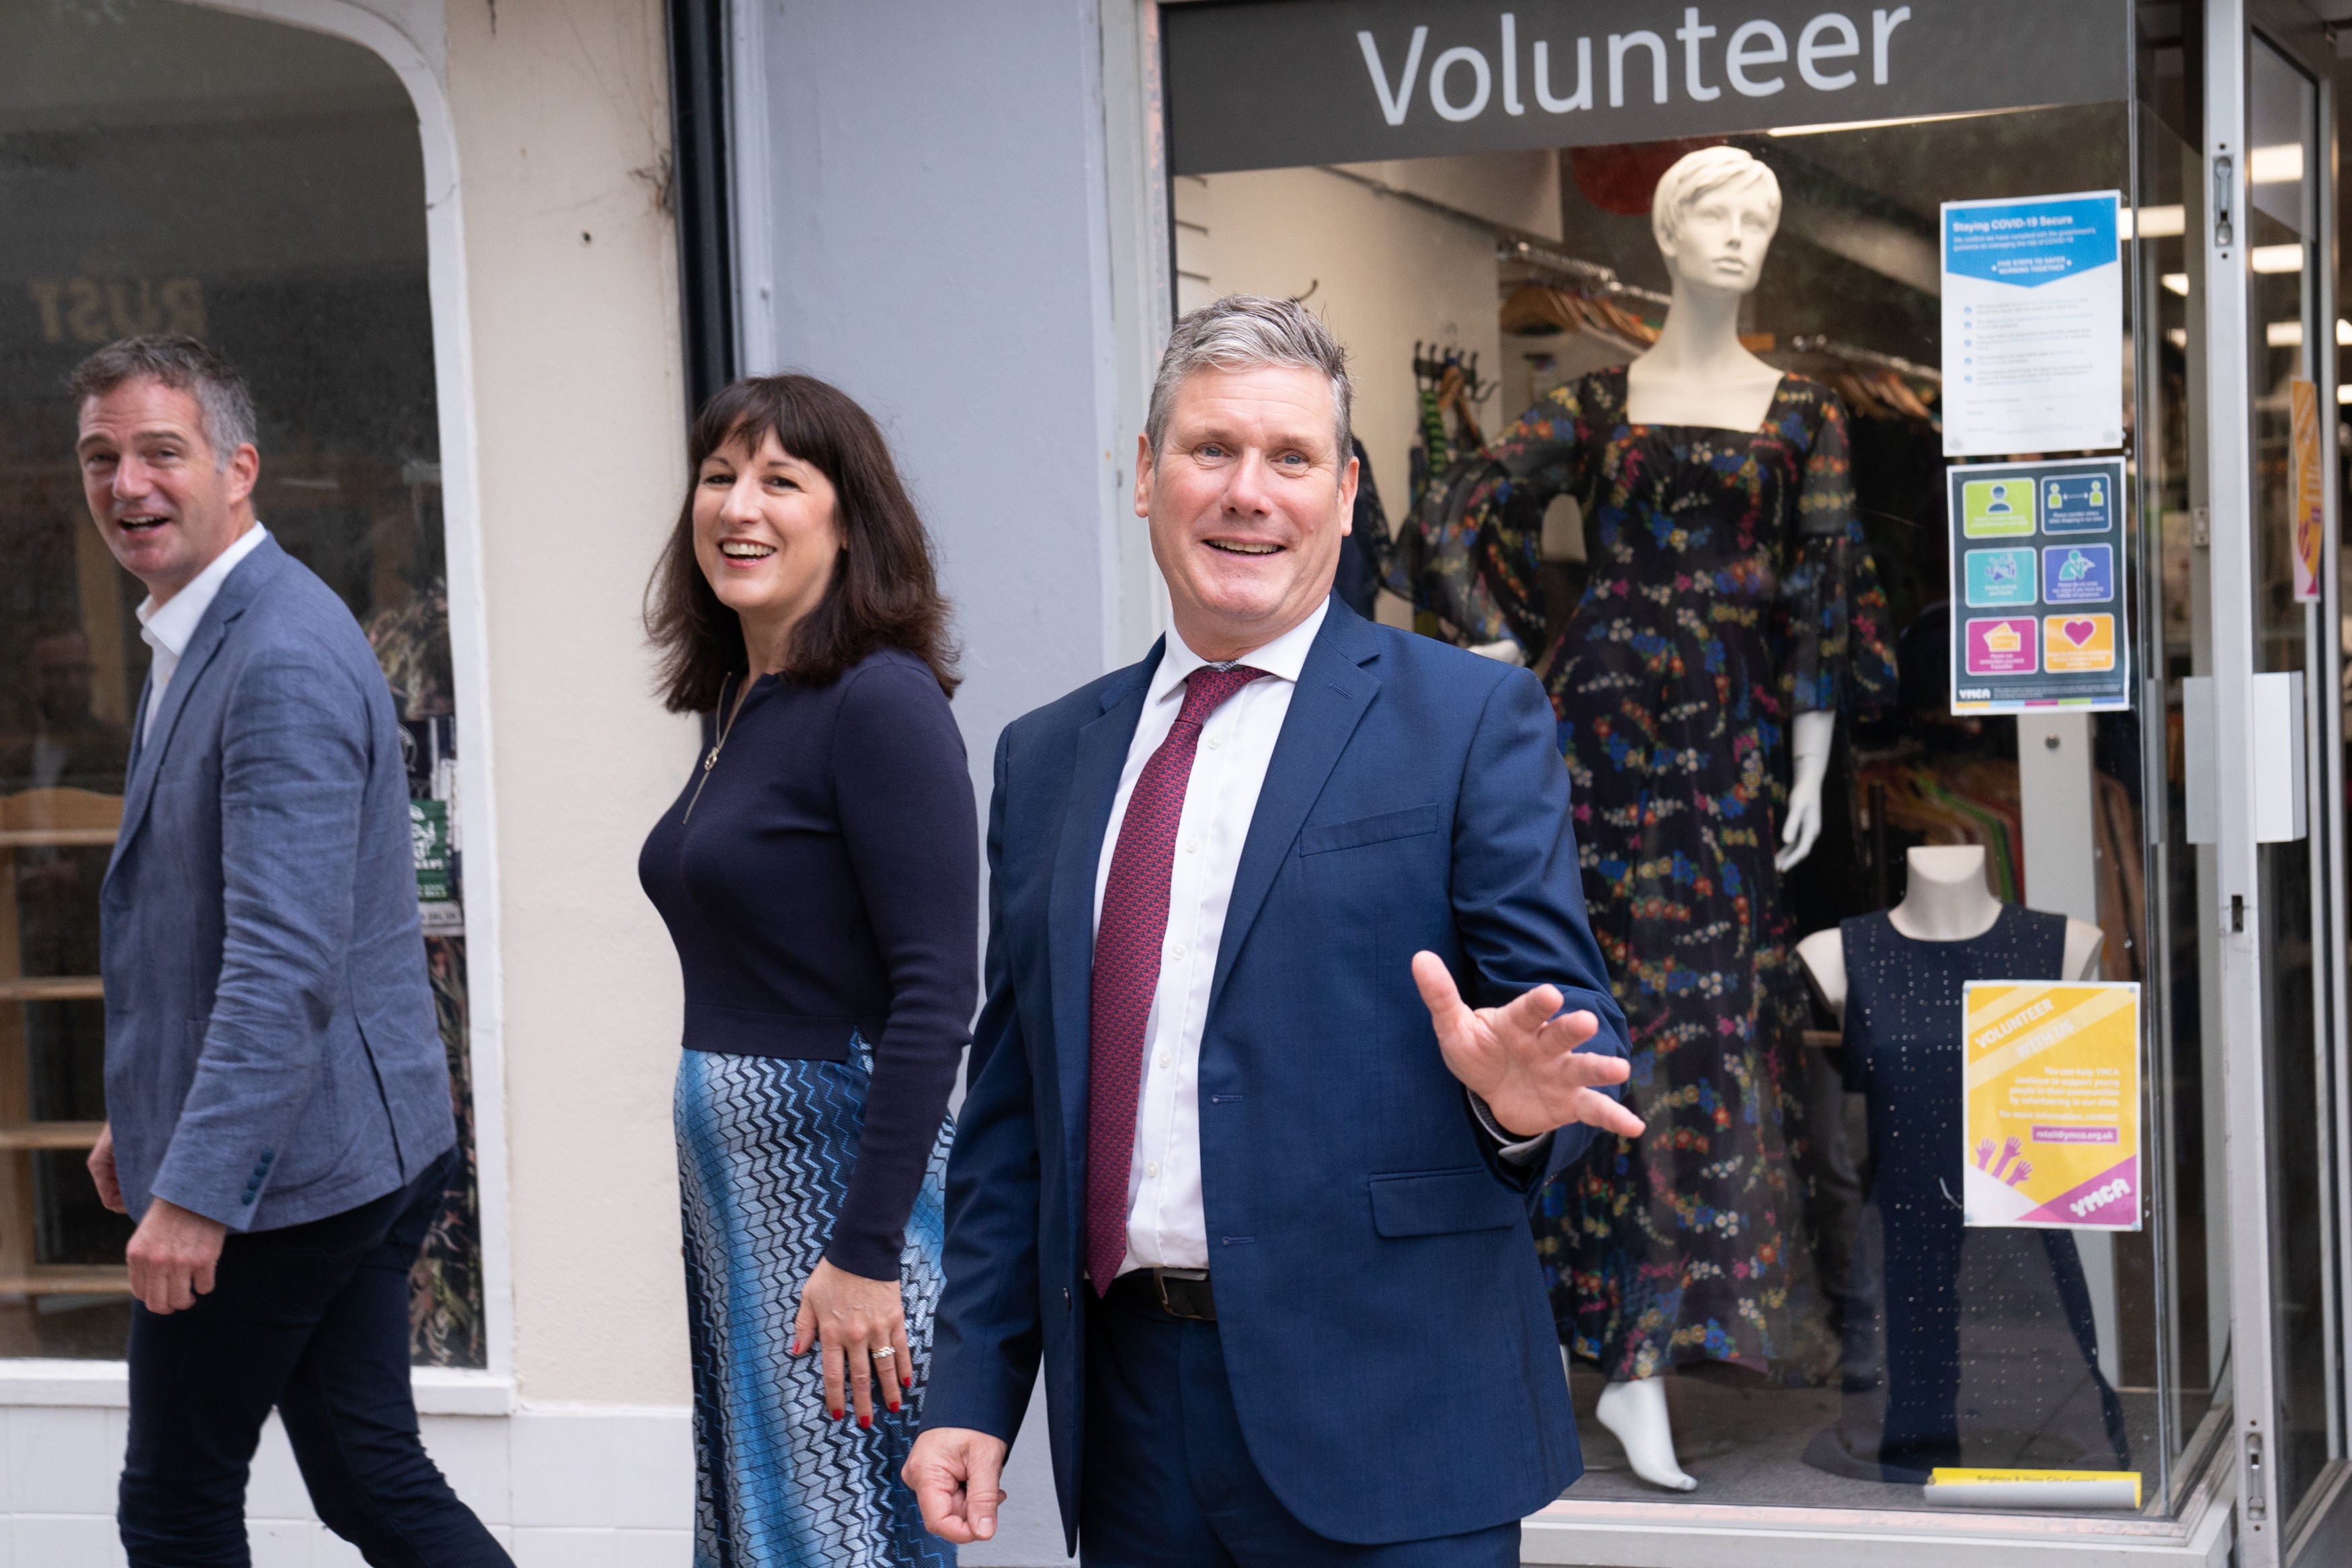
(885, 591)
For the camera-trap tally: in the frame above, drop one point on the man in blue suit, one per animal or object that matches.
(1268, 1235)
(277, 1100)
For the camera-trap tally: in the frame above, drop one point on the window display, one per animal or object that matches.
(173, 168)
(1669, 415)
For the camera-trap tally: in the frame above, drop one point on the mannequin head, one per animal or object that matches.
(1715, 214)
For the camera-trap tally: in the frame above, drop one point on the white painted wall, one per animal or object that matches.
(561, 109)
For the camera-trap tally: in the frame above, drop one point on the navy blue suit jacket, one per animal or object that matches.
(1384, 1321)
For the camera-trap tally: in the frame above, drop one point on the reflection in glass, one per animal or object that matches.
(169, 167)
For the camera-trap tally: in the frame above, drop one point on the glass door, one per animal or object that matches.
(2276, 894)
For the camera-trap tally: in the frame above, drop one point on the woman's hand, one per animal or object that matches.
(859, 1329)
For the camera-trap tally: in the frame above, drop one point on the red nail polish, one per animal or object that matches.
(907, 1381)
(894, 1409)
(865, 1420)
(837, 1415)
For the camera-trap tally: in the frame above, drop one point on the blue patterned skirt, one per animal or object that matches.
(764, 1150)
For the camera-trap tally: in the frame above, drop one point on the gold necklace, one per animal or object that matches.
(725, 730)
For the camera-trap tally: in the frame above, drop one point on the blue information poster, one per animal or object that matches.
(2038, 614)
(2034, 328)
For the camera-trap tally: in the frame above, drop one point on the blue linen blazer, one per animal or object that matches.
(272, 1054)
(1384, 1317)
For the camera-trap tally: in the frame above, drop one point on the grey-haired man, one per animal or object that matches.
(277, 1100)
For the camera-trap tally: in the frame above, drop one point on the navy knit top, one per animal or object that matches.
(827, 881)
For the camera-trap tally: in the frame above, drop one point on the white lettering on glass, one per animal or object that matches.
(1582, 96)
(1882, 27)
(1446, 109)
(1619, 43)
(1738, 56)
(1693, 35)
(1511, 104)
(1393, 104)
(1809, 50)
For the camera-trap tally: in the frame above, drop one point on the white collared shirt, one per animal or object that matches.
(168, 628)
(1164, 1225)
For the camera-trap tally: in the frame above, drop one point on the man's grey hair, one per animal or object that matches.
(1244, 332)
(186, 365)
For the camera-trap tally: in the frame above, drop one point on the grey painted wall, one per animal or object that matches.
(940, 250)
(938, 247)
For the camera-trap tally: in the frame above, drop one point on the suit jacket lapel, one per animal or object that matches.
(1334, 690)
(244, 585)
(1100, 757)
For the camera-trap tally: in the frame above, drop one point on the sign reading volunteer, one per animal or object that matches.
(2052, 1123)
(2033, 325)
(1269, 84)
(2038, 618)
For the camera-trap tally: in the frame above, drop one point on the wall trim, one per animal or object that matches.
(415, 44)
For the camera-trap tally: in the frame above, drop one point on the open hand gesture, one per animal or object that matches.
(1521, 1060)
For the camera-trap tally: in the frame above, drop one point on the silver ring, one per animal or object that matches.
(885, 1354)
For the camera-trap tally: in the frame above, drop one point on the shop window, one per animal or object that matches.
(1783, 1261)
(167, 167)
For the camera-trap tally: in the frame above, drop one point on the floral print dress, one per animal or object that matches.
(1730, 590)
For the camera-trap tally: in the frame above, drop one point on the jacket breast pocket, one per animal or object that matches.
(1323, 838)
(1442, 1203)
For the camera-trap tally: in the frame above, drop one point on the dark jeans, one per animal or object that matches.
(313, 1320)
(1168, 1482)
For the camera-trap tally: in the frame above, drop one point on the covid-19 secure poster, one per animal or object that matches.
(2051, 1076)
(2039, 617)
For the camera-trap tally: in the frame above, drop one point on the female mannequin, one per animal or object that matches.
(1898, 981)
(1947, 899)
(1731, 613)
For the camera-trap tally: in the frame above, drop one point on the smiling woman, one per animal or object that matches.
(818, 873)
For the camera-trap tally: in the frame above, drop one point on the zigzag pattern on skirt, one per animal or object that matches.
(765, 1150)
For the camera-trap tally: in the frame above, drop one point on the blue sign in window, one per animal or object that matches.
(2077, 503)
(2078, 574)
(2000, 577)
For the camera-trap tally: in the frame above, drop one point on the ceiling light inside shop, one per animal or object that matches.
(2343, 393)
(2176, 336)
(2276, 257)
(2279, 166)
(2153, 223)
(1882, 125)
(2343, 333)
(2177, 282)
(2284, 334)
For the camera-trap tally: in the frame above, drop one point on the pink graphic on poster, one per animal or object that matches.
(2110, 1199)
(2002, 645)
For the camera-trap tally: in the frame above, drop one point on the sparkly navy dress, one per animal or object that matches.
(2028, 1391)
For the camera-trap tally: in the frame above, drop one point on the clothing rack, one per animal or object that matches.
(1816, 343)
(1585, 274)
(1593, 275)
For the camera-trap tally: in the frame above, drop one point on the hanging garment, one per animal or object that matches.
(1730, 591)
(2031, 1392)
(1364, 558)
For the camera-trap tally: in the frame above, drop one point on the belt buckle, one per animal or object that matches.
(1160, 1278)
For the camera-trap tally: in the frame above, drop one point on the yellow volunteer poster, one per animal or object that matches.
(2051, 1077)
(2302, 424)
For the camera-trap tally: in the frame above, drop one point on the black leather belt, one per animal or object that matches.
(1179, 1292)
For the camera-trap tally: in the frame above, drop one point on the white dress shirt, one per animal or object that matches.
(1164, 1226)
(168, 628)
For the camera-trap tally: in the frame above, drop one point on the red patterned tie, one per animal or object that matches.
(1127, 942)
